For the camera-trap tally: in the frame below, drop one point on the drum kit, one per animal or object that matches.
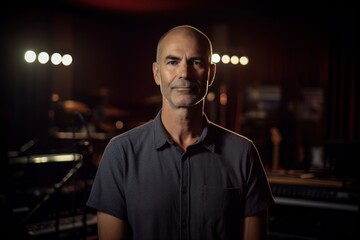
(76, 131)
(72, 120)
(70, 115)
(32, 171)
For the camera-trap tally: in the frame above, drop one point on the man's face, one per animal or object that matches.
(183, 70)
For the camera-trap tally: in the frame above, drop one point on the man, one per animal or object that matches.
(181, 176)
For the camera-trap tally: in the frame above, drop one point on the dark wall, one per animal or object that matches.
(294, 47)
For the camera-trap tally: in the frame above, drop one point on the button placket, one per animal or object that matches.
(185, 197)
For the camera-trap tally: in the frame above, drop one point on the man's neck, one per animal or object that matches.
(184, 125)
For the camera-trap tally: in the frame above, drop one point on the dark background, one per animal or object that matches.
(293, 47)
(307, 51)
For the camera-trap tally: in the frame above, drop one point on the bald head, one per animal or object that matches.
(185, 30)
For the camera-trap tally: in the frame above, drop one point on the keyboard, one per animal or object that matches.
(313, 192)
(65, 224)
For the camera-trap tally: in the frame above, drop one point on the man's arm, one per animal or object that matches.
(110, 227)
(255, 227)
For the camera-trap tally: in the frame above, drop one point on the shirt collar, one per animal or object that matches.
(161, 138)
(207, 137)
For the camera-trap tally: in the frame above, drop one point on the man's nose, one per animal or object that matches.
(184, 69)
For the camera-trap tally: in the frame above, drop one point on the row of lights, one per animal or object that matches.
(226, 59)
(43, 58)
(56, 58)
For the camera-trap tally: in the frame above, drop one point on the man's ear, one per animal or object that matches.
(212, 73)
(155, 68)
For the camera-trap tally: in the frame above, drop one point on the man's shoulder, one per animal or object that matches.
(140, 131)
(218, 130)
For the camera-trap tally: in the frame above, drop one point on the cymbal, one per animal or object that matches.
(114, 112)
(154, 99)
(71, 106)
(109, 112)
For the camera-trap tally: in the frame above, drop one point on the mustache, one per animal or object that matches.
(184, 83)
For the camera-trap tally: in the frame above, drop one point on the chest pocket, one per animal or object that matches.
(222, 211)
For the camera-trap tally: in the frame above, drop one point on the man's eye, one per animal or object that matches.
(198, 63)
(172, 62)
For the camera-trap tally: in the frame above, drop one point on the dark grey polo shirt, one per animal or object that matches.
(165, 193)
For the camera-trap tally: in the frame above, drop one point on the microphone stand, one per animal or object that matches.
(56, 187)
(86, 151)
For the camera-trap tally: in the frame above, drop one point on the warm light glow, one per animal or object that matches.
(55, 97)
(210, 96)
(119, 124)
(215, 58)
(56, 58)
(244, 60)
(234, 60)
(225, 59)
(67, 59)
(30, 56)
(43, 57)
(223, 98)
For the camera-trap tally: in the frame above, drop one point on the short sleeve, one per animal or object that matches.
(107, 192)
(258, 191)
